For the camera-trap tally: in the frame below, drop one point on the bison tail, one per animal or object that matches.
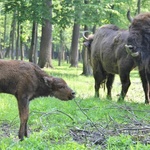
(103, 85)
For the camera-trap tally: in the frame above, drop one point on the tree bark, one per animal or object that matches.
(74, 46)
(87, 70)
(18, 41)
(13, 36)
(21, 43)
(139, 6)
(46, 42)
(61, 48)
(33, 48)
(5, 30)
(10, 50)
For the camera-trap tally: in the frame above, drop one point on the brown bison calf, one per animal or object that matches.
(27, 81)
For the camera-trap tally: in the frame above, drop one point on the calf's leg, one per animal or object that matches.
(23, 106)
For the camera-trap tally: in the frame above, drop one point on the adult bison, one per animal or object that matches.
(109, 57)
(27, 81)
(138, 46)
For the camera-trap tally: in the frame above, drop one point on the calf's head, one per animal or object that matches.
(59, 88)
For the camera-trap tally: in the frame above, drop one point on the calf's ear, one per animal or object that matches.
(48, 81)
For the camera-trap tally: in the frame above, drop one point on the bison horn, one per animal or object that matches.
(129, 16)
(83, 34)
(129, 49)
(135, 54)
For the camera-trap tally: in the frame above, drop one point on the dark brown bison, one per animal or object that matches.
(27, 81)
(109, 57)
(138, 46)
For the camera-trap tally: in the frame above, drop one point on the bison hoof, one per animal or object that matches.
(147, 102)
(109, 97)
(120, 99)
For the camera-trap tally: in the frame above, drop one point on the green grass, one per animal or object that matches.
(51, 119)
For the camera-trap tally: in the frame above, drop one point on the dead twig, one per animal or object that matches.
(89, 118)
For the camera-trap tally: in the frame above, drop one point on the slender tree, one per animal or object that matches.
(18, 41)
(33, 48)
(61, 48)
(10, 50)
(138, 6)
(21, 43)
(75, 34)
(46, 40)
(87, 70)
(74, 46)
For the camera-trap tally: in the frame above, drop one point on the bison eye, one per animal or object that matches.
(61, 87)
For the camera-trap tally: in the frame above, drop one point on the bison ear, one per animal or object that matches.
(48, 81)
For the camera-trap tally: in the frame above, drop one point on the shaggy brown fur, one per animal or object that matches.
(27, 81)
(139, 41)
(109, 57)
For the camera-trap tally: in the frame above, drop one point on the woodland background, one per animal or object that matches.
(42, 30)
(48, 32)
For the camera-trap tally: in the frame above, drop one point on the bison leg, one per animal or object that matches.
(97, 85)
(110, 80)
(125, 81)
(145, 85)
(23, 106)
(99, 77)
(147, 101)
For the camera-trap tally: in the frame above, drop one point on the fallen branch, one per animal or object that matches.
(89, 118)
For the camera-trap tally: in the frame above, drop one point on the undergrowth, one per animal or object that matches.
(83, 123)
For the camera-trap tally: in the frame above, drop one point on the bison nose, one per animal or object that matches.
(73, 93)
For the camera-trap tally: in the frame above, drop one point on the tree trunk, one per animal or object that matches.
(18, 41)
(61, 48)
(139, 6)
(33, 48)
(21, 43)
(74, 46)
(46, 42)
(5, 23)
(87, 70)
(111, 15)
(11, 39)
(13, 36)
(94, 29)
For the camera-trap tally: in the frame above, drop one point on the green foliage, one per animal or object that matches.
(50, 119)
(124, 142)
(120, 143)
(64, 13)
(27, 10)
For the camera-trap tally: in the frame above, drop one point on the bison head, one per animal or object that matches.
(59, 88)
(88, 40)
(138, 42)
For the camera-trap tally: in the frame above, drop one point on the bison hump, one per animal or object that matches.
(110, 26)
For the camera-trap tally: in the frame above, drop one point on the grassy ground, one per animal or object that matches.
(83, 123)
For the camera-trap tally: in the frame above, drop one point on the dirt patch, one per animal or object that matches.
(139, 131)
(97, 133)
(8, 129)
